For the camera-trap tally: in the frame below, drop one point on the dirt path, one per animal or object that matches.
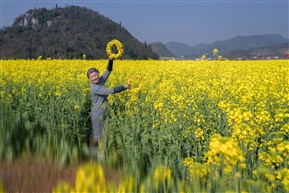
(34, 176)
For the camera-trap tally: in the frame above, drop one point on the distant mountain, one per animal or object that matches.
(67, 33)
(199, 47)
(180, 49)
(238, 54)
(244, 43)
(276, 50)
(161, 49)
(279, 50)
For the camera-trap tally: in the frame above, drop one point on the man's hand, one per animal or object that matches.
(127, 86)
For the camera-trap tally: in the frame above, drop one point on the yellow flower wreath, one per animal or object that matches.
(119, 47)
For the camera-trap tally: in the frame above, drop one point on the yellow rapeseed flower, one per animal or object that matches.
(162, 177)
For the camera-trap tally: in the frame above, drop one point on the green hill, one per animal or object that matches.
(67, 33)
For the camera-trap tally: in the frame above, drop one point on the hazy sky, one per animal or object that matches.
(187, 21)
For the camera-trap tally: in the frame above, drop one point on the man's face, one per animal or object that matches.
(94, 77)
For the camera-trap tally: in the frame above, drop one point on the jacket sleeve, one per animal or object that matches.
(118, 89)
(108, 70)
(100, 90)
(109, 65)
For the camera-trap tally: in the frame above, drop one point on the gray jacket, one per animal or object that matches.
(99, 92)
